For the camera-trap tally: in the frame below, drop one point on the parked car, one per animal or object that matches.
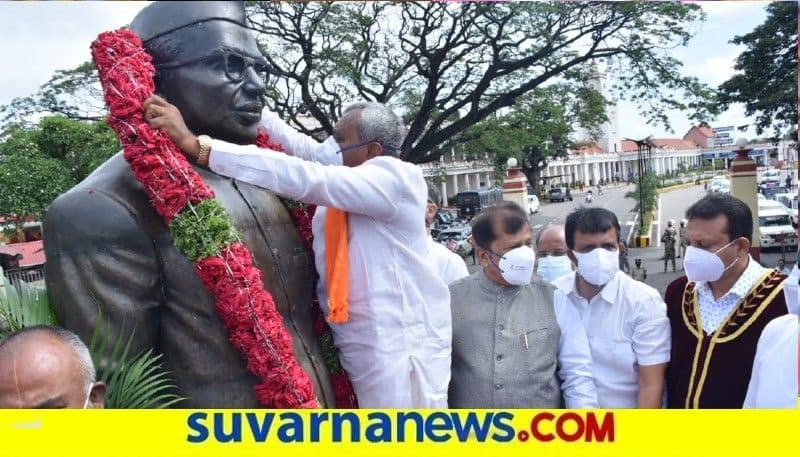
(444, 217)
(533, 204)
(557, 194)
(776, 229)
(776, 204)
(460, 235)
(719, 185)
(790, 202)
(771, 176)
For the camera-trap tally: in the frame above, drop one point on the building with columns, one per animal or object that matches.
(591, 164)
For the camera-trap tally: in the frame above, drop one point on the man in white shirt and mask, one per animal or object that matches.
(512, 348)
(552, 260)
(392, 327)
(625, 320)
(447, 264)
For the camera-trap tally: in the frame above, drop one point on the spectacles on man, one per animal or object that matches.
(234, 64)
(356, 146)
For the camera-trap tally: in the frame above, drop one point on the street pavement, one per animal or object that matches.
(673, 205)
(613, 199)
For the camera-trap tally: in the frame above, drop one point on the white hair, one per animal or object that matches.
(380, 124)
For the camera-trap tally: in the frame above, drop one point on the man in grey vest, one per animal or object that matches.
(511, 347)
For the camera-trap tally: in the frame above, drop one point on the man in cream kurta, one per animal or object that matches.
(396, 343)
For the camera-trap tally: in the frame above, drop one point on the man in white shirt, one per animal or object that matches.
(773, 383)
(396, 343)
(512, 348)
(625, 320)
(449, 265)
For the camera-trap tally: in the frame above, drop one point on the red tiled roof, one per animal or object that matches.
(587, 149)
(32, 252)
(629, 146)
(707, 132)
(674, 143)
(3, 219)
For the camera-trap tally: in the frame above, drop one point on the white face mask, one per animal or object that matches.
(791, 291)
(516, 265)
(552, 267)
(701, 265)
(598, 266)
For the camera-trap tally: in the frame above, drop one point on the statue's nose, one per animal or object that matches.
(253, 83)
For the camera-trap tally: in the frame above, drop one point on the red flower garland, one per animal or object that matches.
(173, 187)
(302, 215)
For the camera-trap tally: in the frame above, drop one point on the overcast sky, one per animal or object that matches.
(38, 38)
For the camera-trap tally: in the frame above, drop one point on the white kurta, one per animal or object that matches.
(446, 263)
(396, 344)
(773, 383)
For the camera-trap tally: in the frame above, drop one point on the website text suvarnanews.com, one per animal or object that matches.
(400, 426)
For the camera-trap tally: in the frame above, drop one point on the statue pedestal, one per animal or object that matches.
(744, 187)
(515, 187)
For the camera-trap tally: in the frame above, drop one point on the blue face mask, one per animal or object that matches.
(553, 267)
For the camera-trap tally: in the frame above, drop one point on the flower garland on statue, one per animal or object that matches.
(204, 233)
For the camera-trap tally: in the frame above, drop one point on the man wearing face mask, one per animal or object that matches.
(625, 320)
(718, 311)
(512, 348)
(47, 367)
(551, 248)
(447, 264)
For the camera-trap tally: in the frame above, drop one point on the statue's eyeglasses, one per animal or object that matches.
(234, 64)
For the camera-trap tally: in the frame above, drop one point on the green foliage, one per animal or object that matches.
(537, 128)
(202, 230)
(19, 141)
(30, 183)
(39, 163)
(132, 381)
(766, 78)
(644, 228)
(449, 66)
(26, 308)
(648, 187)
(82, 146)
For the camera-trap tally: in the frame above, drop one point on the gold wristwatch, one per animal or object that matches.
(205, 150)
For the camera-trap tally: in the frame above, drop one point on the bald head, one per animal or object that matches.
(551, 240)
(47, 367)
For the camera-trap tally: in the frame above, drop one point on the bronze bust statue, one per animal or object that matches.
(110, 255)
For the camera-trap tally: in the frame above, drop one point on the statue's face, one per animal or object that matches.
(220, 89)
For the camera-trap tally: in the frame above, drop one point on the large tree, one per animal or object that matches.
(449, 66)
(446, 66)
(39, 163)
(538, 128)
(766, 78)
(74, 93)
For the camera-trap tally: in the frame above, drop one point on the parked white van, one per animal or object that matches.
(790, 202)
(776, 228)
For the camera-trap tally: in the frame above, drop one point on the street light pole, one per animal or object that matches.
(643, 166)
